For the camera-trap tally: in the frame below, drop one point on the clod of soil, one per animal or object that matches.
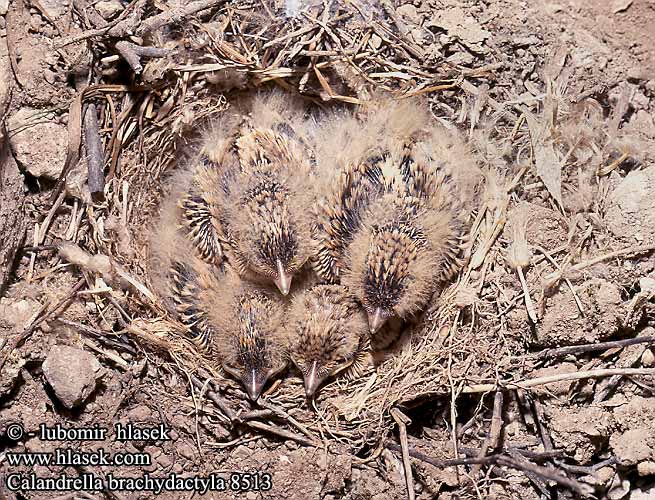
(546, 227)
(72, 373)
(38, 157)
(634, 444)
(564, 324)
(580, 431)
(631, 214)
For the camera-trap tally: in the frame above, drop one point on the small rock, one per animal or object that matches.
(462, 27)
(41, 158)
(408, 11)
(17, 313)
(646, 468)
(639, 494)
(620, 5)
(546, 228)
(139, 414)
(564, 324)
(10, 376)
(186, 450)
(582, 432)
(72, 374)
(618, 489)
(648, 358)
(634, 442)
(647, 284)
(604, 475)
(631, 211)
(109, 9)
(553, 8)
(241, 452)
(634, 445)
(164, 461)
(55, 8)
(4, 6)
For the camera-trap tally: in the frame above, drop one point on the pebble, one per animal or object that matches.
(40, 158)
(109, 9)
(72, 373)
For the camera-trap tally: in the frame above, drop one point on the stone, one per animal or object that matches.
(634, 445)
(646, 468)
(642, 494)
(109, 9)
(139, 414)
(55, 8)
(186, 450)
(164, 461)
(39, 144)
(72, 373)
(17, 313)
(631, 212)
(409, 12)
(582, 432)
(634, 442)
(564, 324)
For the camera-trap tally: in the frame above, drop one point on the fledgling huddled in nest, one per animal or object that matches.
(327, 334)
(235, 321)
(249, 197)
(392, 224)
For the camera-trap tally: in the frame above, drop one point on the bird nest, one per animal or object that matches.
(331, 55)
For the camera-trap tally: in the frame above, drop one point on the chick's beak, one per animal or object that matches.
(254, 385)
(283, 280)
(377, 319)
(312, 381)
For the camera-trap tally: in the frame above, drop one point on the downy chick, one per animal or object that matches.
(249, 336)
(229, 319)
(392, 226)
(250, 194)
(327, 334)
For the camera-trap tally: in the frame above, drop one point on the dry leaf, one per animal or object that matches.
(546, 159)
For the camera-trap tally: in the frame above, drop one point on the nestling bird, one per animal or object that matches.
(250, 193)
(232, 320)
(392, 225)
(327, 334)
(249, 338)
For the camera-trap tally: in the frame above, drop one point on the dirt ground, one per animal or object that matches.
(577, 436)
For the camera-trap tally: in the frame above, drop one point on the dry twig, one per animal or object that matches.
(95, 159)
(402, 420)
(552, 379)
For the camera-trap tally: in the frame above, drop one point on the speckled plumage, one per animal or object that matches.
(239, 324)
(250, 193)
(392, 226)
(327, 334)
(233, 321)
(249, 336)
